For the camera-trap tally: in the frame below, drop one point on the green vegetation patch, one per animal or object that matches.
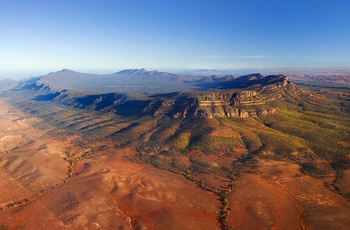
(213, 144)
(316, 170)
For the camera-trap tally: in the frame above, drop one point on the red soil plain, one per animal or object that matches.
(47, 183)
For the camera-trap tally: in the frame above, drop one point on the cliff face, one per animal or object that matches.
(250, 102)
(216, 104)
(242, 104)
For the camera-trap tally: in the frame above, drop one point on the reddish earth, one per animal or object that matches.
(343, 183)
(47, 183)
(277, 196)
(104, 191)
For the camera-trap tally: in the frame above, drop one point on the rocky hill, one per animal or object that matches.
(6, 84)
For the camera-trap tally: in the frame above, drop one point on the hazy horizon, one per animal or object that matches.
(24, 74)
(40, 37)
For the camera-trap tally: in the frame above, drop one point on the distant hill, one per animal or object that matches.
(6, 84)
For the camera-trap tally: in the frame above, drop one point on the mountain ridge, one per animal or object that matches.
(245, 96)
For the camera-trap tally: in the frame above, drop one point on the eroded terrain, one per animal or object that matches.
(47, 183)
(64, 168)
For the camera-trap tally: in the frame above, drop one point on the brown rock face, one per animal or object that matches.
(226, 111)
(251, 102)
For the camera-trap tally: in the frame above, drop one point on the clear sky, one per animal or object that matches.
(109, 35)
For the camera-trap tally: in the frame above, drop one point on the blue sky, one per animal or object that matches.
(101, 35)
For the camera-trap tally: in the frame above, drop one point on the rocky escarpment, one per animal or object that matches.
(251, 102)
(213, 104)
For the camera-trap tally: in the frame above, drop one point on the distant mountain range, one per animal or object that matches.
(142, 81)
(125, 81)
